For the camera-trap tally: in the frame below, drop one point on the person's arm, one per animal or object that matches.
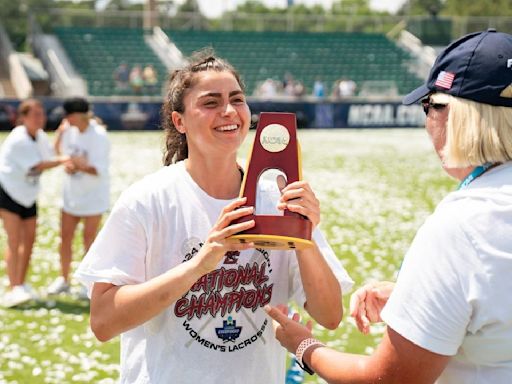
(97, 160)
(116, 309)
(33, 162)
(322, 289)
(396, 360)
(48, 164)
(80, 164)
(59, 132)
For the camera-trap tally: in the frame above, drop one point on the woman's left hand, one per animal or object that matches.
(298, 197)
(289, 332)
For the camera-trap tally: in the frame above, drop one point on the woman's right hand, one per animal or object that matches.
(367, 302)
(216, 246)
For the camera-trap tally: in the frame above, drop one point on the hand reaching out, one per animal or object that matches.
(289, 332)
(367, 302)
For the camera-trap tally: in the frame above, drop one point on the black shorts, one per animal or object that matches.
(10, 205)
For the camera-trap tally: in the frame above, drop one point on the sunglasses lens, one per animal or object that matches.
(425, 103)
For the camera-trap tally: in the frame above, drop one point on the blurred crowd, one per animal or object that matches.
(289, 87)
(139, 80)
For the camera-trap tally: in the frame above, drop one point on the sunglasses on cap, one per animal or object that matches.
(427, 104)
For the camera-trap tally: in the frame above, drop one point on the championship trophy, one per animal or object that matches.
(275, 147)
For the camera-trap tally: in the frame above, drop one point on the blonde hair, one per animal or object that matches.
(476, 133)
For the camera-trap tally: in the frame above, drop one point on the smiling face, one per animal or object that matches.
(216, 117)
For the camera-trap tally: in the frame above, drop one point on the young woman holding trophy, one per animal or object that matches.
(187, 303)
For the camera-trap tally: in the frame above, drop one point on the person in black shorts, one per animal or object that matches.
(24, 155)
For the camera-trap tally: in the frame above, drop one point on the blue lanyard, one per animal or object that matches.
(478, 171)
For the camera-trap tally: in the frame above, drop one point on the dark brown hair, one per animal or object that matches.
(26, 106)
(180, 81)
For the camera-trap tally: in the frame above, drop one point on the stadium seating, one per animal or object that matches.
(97, 52)
(307, 56)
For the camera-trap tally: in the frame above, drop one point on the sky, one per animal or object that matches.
(213, 8)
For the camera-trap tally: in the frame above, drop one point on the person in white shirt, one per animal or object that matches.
(449, 315)
(24, 155)
(85, 185)
(187, 303)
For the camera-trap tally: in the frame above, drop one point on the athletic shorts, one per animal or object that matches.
(10, 205)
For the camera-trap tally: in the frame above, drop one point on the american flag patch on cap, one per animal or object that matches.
(445, 79)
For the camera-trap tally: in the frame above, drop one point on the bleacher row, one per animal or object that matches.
(96, 52)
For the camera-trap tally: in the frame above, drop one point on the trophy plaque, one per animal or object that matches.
(275, 147)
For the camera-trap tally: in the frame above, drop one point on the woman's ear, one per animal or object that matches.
(177, 120)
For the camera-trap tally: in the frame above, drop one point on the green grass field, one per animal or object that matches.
(376, 187)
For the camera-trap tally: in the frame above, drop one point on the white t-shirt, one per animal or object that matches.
(19, 153)
(85, 194)
(218, 332)
(454, 292)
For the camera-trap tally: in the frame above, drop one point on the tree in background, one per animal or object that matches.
(352, 7)
(187, 11)
(478, 8)
(124, 5)
(421, 7)
(449, 18)
(14, 17)
(457, 8)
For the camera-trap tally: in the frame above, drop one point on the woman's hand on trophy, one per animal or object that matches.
(298, 197)
(216, 245)
(367, 302)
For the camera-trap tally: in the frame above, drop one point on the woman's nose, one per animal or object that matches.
(229, 110)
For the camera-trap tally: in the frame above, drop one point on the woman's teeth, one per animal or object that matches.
(227, 128)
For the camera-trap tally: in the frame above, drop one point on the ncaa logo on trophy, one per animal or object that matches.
(275, 147)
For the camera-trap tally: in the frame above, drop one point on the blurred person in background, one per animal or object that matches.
(187, 303)
(136, 79)
(150, 77)
(267, 89)
(121, 77)
(346, 88)
(449, 315)
(24, 155)
(319, 88)
(85, 185)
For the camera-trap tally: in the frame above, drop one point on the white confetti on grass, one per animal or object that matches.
(376, 188)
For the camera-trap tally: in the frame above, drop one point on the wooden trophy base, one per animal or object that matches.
(288, 232)
(273, 241)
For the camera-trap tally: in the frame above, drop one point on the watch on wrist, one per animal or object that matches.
(302, 348)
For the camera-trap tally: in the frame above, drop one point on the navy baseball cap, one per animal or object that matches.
(76, 104)
(477, 67)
